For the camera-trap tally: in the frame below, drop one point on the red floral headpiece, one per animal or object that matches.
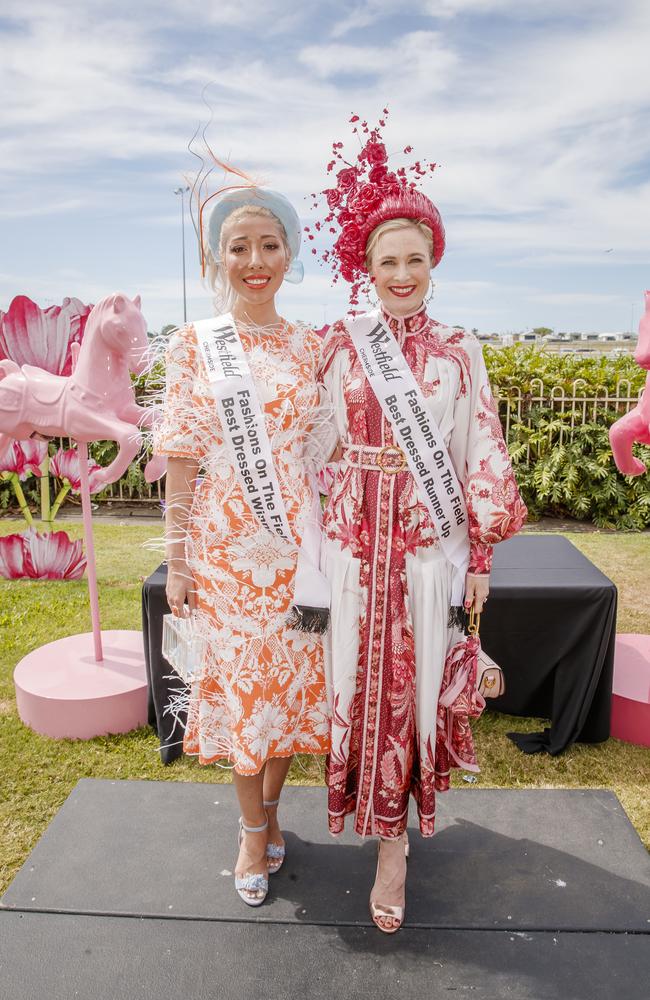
(367, 193)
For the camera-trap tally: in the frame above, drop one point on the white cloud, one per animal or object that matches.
(419, 58)
(370, 12)
(156, 14)
(77, 90)
(38, 209)
(539, 139)
(574, 298)
(333, 60)
(448, 287)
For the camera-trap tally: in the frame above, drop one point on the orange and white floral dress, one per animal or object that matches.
(261, 690)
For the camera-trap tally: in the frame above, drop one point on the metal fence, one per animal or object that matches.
(574, 408)
(122, 492)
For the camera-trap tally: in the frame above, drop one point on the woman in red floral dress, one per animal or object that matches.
(391, 578)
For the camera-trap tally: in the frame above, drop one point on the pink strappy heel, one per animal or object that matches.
(379, 911)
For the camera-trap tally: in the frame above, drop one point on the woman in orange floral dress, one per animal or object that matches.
(260, 696)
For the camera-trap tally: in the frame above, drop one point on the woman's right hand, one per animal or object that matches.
(180, 592)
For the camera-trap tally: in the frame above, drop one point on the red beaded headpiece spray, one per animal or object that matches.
(366, 194)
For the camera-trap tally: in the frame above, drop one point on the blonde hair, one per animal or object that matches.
(216, 274)
(394, 225)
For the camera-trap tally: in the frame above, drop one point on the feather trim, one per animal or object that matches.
(305, 619)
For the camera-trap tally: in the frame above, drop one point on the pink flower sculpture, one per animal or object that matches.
(24, 458)
(54, 556)
(30, 335)
(12, 557)
(65, 465)
(41, 556)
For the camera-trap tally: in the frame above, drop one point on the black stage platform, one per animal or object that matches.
(529, 894)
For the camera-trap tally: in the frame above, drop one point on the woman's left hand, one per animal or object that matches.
(477, 588)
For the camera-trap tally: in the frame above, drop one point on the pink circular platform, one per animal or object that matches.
(62, 691)
(631, 691)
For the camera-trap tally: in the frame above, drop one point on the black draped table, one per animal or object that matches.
(550, 623)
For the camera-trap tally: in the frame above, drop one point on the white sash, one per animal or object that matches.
(419, 437)
(244, 430)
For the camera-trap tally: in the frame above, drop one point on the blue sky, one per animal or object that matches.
(540, 120)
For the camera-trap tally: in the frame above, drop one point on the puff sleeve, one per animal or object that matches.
(334, 362)
(495, 508)
(323, 436)
(178, 434)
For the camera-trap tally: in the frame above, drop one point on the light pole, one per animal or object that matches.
(182, 191)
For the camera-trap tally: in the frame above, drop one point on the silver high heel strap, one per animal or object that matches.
(253, 829)
(276, 802)
(252, 883)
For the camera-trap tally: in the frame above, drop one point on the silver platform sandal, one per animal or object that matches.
(274, 852)
(251, 883)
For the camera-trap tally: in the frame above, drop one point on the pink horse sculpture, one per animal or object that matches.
(635, 425)
(96, 402)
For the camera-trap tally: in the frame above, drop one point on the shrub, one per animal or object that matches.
(562, 470)
(519, 365)
(560, 448)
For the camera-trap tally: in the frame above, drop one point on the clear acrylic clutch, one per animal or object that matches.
(182, 646)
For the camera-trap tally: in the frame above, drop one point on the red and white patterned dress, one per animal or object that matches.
(391, 582)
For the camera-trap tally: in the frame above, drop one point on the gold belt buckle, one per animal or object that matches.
(398, 453)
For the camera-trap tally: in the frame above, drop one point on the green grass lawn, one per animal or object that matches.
(37, 774)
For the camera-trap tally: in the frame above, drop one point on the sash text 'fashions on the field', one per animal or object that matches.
(391, 583)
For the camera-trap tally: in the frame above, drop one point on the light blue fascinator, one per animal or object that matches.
(261, 198)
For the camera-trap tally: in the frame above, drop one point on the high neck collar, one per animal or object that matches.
(409, 323)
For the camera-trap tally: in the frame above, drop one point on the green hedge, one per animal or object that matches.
(575, 477)
(519, 365)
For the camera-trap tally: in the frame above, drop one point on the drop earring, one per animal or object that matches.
(430, 293)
